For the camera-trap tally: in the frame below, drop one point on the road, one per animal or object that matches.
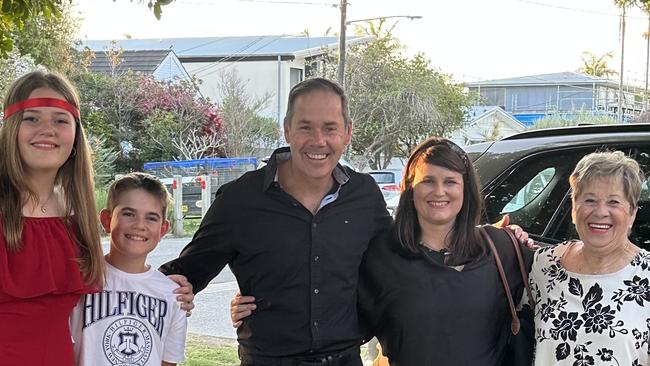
(212, 313)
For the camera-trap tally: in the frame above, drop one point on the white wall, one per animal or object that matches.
(261, 78)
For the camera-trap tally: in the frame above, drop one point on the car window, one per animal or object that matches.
(532, 190)
(553, 221)
(383, 177)
(640, 233)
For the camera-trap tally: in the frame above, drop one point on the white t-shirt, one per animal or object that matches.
(585, 319)
(135, 320)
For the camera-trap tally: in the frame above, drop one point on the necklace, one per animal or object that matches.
(603, 269)
(43, 207)
(443, 251)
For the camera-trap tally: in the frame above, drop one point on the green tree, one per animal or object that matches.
(623, 5)
(49, 41)
(574, 118)
(15, 13)
(104, 158)
(596, 66)
(12, 67)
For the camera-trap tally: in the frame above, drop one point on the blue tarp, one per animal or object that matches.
(529, 119)
(204, 163)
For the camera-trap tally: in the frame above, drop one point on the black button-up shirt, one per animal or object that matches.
(302, 268)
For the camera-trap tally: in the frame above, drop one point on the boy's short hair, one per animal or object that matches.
(137, 180)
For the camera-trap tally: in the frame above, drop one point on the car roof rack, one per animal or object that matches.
(580, 130)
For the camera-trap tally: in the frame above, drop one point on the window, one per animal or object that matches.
(532, 191)
(536, 194)
(295, 76)
(383, 177)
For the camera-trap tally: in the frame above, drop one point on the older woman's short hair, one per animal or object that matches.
(609, 165)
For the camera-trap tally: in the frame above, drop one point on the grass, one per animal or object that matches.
(210, 351)
(203, 350)
(190, 225)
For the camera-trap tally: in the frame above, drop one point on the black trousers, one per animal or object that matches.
(348, 357)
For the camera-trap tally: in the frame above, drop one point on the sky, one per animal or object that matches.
(468, 39)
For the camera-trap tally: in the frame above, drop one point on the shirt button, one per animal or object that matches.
(314, 224)
(316, 258)
(315, 324)
(316, 291)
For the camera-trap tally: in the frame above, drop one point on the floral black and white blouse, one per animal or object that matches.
(591, 319)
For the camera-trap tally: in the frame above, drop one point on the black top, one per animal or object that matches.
(426, 313)
(301, 268)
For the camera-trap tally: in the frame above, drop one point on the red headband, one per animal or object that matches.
(41, 102)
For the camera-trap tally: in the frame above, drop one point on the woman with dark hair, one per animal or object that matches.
(432, 292)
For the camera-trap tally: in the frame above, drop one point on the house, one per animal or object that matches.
(162, 64)
(268, 64)
(486, 123)
(530, 98)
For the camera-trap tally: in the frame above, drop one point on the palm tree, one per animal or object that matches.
(597, 66)
(623, 5)
(645, 6)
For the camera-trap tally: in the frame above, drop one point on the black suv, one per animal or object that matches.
(527, 176)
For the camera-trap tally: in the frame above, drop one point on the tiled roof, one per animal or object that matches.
(140, 61)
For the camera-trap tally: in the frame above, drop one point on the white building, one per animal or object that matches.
(486, 123)
(269, 64)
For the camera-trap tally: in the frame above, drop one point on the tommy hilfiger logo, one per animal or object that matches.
(127, 342)
(107, 304)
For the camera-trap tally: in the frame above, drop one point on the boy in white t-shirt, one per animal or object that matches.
(136, 319)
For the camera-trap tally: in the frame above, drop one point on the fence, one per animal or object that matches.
(199, 178)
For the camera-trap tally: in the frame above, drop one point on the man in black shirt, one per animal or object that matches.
(294, 233)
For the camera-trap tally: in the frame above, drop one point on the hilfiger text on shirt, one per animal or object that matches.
(107, 304)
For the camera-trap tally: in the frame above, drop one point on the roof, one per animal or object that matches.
(560, 78)
(140, 61)
(478, 113)
(197, 47)
(583, 130)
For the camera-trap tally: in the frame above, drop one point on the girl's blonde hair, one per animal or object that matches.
(75, 178)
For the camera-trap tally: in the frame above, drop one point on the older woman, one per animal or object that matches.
(592, 296)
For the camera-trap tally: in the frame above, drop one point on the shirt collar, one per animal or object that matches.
(283, 154)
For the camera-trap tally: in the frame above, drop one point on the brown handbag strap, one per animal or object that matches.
(522, 267)
(515, 325)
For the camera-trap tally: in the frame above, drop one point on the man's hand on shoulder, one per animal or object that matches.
(185, 295)
(520, 234)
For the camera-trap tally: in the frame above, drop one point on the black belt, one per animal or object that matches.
(333, 359)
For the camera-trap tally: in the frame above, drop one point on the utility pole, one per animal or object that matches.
(647, 65)
(343, 7)
(344, 24)
(620, 82)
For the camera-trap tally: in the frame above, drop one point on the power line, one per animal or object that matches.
(228, 62)
(239, 51)
(578, 10)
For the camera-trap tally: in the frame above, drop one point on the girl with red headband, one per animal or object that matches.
(50, 250)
